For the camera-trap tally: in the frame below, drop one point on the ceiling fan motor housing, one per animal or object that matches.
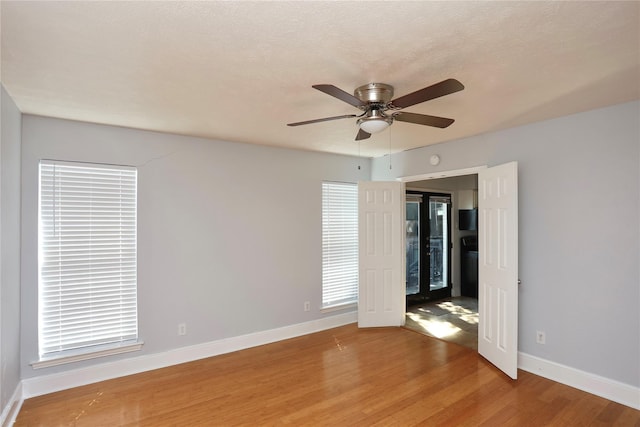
(377, 93)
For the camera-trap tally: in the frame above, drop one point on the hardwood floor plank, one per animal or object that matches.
(343, 376)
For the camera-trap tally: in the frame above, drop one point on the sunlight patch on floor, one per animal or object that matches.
(464, 314)
(453, 308)
(438, 329)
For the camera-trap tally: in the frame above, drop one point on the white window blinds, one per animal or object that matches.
(87, 259)
(339, 243)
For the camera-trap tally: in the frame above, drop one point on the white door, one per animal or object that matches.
(498, 266)
(381, 289)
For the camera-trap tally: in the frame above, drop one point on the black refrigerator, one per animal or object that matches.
(469, 266)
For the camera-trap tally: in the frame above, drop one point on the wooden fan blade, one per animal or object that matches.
(423, 119)
(326, 119)
(362, 135)
(340, 94)
(437, 90)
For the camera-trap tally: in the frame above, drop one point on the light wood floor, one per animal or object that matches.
(340, 377)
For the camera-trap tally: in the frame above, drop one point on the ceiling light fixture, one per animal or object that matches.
(375, 121)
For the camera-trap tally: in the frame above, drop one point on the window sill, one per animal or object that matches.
(77, 356)
(337, 307)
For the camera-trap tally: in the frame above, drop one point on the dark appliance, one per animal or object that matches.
(469, 266)
(468, 219)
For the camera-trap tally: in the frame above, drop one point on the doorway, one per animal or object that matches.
(428, 246)
(382, 285)
(452, 316)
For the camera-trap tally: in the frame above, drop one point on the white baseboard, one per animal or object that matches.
(622, 393)
(10, 412)
(45, 384)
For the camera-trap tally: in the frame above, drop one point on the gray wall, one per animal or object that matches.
(9, 248)
(229, 235)
(579, 219)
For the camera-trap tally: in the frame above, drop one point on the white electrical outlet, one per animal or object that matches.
(540, 337)
(307, 306)
(182, 329)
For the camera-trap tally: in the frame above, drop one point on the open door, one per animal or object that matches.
(498, 266)
(381, 228)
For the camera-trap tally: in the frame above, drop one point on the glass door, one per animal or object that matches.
(413, 245)
(428, 231)
(439, 243)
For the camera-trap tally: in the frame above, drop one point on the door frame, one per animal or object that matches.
(438, 175)
(444, 174)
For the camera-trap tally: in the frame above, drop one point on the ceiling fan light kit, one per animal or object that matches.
(375, 121)
(375, 100)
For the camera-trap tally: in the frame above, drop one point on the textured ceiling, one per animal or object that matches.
(240, 71)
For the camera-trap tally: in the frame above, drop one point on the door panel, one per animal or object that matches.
(381, 264)
(498, 266)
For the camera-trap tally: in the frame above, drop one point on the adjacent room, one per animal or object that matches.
(320, 213)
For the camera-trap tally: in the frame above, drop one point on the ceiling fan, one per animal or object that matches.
(380, 111)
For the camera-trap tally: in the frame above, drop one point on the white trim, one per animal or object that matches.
(443, 174)
(338, 307)
(10, 412)
(624, 394)
(107, 350)
(38, 386)
(432, 190)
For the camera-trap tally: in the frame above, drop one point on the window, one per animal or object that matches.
(87, 260)
(339, 244)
